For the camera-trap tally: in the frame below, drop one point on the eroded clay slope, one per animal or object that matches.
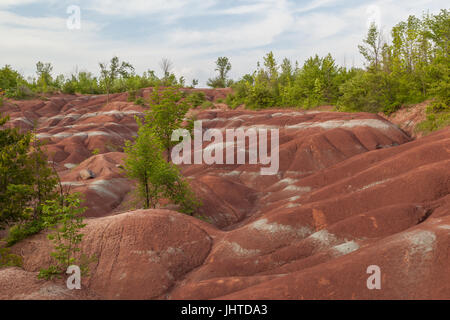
(352, 190)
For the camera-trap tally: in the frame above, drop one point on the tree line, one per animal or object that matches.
(114, 76)
(411, 68)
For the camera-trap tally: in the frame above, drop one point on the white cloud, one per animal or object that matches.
(147, 7)
(316, 4)
(255, 27)
(11, 3)
(254, 33)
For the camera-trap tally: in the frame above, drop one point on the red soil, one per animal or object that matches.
(353, 190)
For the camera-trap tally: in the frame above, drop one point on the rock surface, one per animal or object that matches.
(352, 191)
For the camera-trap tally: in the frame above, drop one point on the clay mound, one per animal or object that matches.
(352, 190)
(408, 118)
(17, 284)
(139, 255)
(411, 265)
(210, 94)
(107, 186)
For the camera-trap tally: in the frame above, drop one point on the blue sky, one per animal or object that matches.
(191, 33)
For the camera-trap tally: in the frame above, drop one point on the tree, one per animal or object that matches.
(13, 84)
(44, 71)
(9, 78)
(15, 174)
(271, 66)
(166, 67)
(26, 182)
(286, 75)
(223, 66)
(156, 178)
(109, 73)
(44, 177)
(373, 46)
(166, 114)
(66, 221)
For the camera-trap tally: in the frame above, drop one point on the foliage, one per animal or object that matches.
(23, 230)
(109, 73)
(207, 105)
(438, 117)
(139, 101)
(66, 221)
(12, 84)
(223, 66)
(8, 259)
(196, 98)
(156, 177)
(412, 68)
(166, 113)
(26, 182)
(194, 83)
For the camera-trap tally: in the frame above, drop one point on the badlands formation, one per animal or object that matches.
(353, 190)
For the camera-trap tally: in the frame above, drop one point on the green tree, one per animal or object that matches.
(15, 174)
(287, 72)
(109, 73)
(44, 73)
(13, 84)
(223, 66)
(166, 113)
(44, 178)
(194, 83)
(372, 48)
(26, 182)
(156, 178)
(66, 222)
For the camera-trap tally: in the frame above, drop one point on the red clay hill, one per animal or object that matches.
(353, 190)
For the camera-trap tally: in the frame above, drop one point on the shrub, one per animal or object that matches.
(131, 95)
(438, 117)
(22, 231)
(66, 221)
(20, 92)
(27, 179)
(139, 101)
(207, 105)
(196, 99)
(8, 259)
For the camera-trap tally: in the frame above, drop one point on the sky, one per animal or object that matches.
(191, 33)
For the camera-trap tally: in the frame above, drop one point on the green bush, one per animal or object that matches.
(8, 259)
(66, 222)
(20, 92)
(22, 231)
(207, 105)
(438, 117)
(139, 101)
(131, 95)
(196, 99)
